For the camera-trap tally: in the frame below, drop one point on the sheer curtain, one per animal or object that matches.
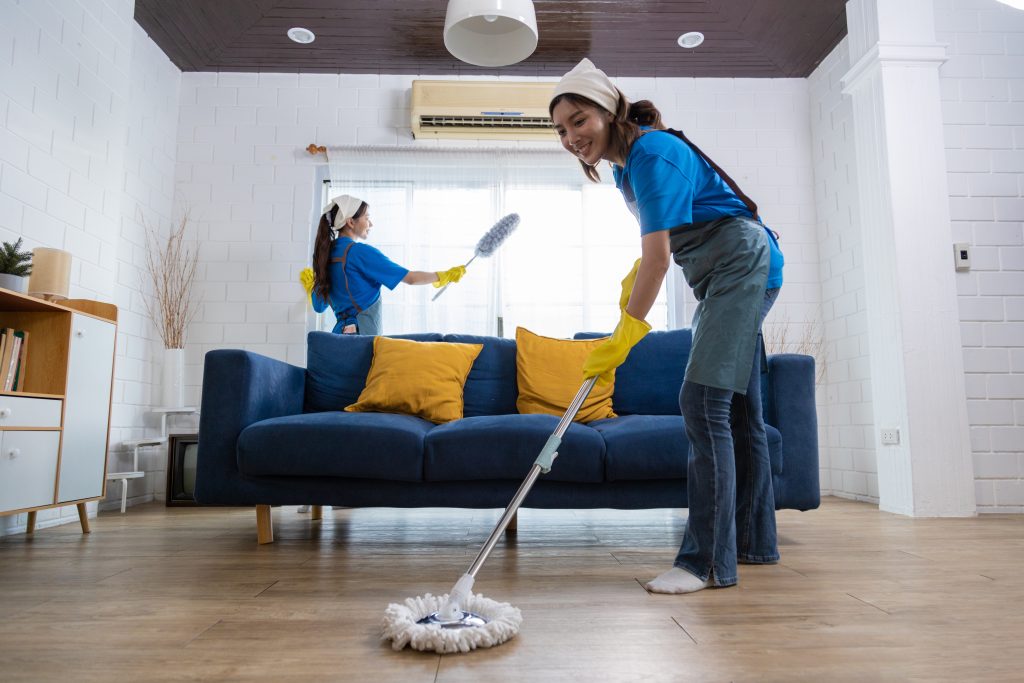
(557, 274)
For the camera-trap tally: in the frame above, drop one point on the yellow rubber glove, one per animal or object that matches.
(612, 353)
(306, 278)
(445, 277)
(627, 286)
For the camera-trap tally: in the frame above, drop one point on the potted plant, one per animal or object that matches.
(171, 269)
(15, 266)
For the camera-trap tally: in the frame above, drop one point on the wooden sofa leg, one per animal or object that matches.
(30, 524)
(264, 525)
(317, 512)
(513, 524)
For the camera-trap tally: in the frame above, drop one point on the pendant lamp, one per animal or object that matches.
(490, 32)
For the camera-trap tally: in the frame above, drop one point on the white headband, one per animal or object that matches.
(587, 80)
(347, 207)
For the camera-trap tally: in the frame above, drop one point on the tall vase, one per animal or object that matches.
(173, 387)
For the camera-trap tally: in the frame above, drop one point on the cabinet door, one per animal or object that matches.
(28, 465)
(83, 453)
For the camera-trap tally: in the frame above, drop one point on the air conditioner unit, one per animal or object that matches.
(481, 110)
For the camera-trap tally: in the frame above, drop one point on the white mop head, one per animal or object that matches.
(493, 238)
(400, 627)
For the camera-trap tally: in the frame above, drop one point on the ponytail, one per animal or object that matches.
(322, 254)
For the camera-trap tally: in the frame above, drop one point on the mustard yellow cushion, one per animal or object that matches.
(550, 372)
(417, 378)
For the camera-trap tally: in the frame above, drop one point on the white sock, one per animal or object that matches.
(676, 581)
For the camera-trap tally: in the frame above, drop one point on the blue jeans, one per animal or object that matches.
(728, 478)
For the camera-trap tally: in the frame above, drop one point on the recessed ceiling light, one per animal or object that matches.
(301, 35)
(691, 39)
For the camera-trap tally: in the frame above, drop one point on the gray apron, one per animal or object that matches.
(725, 262)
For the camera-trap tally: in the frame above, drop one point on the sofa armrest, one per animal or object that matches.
(792, 410)
(239, 389)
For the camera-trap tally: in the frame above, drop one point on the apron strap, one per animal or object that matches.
(751, 206)
(343, 260)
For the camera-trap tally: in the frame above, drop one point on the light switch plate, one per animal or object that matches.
(962, 256)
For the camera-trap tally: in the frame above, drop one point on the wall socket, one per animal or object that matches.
(890, 437)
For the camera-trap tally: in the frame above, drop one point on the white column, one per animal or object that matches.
(917, 378)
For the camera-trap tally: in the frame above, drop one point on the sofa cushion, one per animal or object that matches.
(642, 447)
(505, 447)
(424, 379)
(549, 373)
(336, 367)
(491, 386)
(335, 444)
(648, 382)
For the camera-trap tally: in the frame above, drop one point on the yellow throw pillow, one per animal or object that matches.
(417, 378)
(550, 372)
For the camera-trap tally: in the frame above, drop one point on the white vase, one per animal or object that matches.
(173, 386)
(15, 283)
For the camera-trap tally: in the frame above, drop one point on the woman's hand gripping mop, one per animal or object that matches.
(461, 621)
(487, 245)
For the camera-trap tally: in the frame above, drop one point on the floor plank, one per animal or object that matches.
(181, 594)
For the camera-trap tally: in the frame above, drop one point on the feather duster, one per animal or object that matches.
(491, 240)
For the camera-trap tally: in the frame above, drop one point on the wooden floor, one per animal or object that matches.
(186, 594)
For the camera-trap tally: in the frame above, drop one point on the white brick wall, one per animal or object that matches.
(848, 462)
(983, 112)
(88, 110)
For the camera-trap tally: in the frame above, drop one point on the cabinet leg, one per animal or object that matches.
(83, 517)
(513, 524)
(30, 525)
(264, 525)
(318, 512)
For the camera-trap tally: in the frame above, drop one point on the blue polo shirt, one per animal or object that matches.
(667, 184)
(368, 270)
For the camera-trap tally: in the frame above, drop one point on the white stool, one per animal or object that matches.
(135, 473)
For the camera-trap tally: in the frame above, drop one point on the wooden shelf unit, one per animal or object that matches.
(54, 434)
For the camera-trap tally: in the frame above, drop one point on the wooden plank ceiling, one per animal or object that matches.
(743, 38)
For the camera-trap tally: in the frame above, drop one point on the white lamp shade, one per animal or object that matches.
(490, 32)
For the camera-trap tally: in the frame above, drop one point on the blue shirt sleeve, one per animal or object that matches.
(319, 305)
(375, 266)
(664, 192)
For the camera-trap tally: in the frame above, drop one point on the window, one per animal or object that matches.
(557, 274)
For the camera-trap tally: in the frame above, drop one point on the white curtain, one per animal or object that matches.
(557, 274)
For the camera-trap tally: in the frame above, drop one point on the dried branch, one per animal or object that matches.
(172, 270)
(781, 335)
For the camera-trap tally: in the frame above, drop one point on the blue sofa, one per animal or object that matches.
(272, 433)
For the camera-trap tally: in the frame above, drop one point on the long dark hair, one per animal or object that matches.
(625, 124)
(325, 237)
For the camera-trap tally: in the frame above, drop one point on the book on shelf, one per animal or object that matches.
(5, 359)
(22, 362)
(13, 355)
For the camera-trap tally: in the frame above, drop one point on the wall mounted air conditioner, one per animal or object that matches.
(481, 110)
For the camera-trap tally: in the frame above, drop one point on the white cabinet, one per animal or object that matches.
(86, 409)
(54, 429)
(28, 467)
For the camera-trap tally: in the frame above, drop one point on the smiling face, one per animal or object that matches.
(360, 227)
(583, 130)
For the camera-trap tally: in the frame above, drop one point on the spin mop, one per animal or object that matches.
(491, 240)
(461, 621)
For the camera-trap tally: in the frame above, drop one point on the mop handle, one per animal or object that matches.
(441, 291)
(535, 472)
